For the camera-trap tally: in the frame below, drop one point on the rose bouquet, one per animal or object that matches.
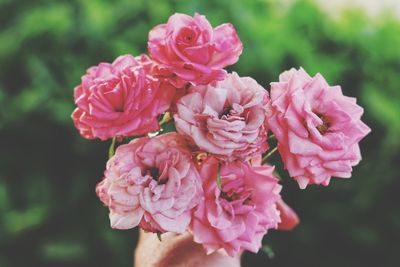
(193, 140)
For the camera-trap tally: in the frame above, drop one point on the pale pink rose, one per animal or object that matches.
(237, 217)
(318, 128)
(120, 99)
(192, 49)
(225, 118)
(151, 183)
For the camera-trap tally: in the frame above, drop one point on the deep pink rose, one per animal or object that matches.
(192, 49)
(160, 72)
(120, 99)
(289, 218)
(153, 183)
(237, 217)
(318, 128)
(225, 118)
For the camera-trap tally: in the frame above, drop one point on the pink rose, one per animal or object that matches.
(152, 183)
(192, 49)
(318, 128)
(160, 72)
(237, 217)
(120, 99)
(225, 118)
(289, 218)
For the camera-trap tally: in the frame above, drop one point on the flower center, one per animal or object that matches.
(229, 196)
(324, 127)
(243, 197)
(225, 112)
(187, 36)
(155, 174)
(200, 157)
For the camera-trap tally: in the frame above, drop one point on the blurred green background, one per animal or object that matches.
(49, 213)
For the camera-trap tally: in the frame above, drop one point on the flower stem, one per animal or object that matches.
(266, 157)
(111, 149)
(219, 178)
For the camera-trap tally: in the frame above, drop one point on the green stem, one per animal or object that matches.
(219, 178)
(266, 157)
(111, 149)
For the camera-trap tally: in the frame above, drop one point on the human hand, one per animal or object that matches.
(177, 251)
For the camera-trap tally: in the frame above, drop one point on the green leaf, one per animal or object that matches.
(159, 236)
(111, 150)
(168, 127)
(16, 221)
(62, 250)
(166, 118)
(268, 250)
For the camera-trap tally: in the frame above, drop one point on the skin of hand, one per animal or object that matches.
(177, 251)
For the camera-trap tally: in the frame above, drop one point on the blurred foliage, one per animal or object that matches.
(49, 213)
